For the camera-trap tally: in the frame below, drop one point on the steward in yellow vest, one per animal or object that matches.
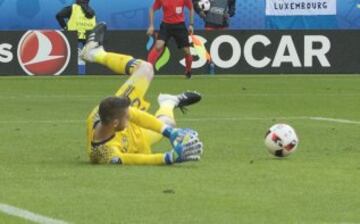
(80, 17)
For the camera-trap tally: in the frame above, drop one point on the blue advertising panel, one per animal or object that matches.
(133, 15)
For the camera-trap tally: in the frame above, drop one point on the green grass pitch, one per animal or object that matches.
(44, 168)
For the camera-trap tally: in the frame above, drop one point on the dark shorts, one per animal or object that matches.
(177, 31)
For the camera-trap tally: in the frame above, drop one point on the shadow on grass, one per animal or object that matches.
(84, 163)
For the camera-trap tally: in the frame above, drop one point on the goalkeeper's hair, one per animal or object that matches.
(112, 107)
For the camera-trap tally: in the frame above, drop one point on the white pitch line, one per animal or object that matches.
(334, 120)
(25, 214)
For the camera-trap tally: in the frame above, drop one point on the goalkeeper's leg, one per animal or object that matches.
(94, 52)
(165, 113)
(141, 72)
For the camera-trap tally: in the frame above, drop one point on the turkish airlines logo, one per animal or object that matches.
(44, 52)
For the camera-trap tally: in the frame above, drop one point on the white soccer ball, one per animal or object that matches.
(281, 140)
(204, 5)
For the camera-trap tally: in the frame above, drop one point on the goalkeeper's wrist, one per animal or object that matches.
(169, 158)
(167, 130)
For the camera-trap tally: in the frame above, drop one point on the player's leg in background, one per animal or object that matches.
(160, 43)
(181, 35)
(188, 61)
(156, 52)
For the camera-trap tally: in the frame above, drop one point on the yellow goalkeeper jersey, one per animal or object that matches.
(129, 146)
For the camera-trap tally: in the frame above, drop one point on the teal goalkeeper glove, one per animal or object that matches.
(186, 146)
(176, 133)
(172, 134)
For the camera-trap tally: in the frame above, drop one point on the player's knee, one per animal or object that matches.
(147, 70)
(187, 51)
(159, 45)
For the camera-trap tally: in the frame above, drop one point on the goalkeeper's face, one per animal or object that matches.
(121, 121)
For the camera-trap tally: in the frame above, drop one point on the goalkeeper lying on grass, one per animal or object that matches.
(120, 131)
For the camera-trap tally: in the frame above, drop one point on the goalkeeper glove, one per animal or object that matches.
(186, 146)
(176, 133)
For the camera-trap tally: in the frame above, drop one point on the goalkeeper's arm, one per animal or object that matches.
(147, 121)
(140, 159)
(181, 153)
(188, 148)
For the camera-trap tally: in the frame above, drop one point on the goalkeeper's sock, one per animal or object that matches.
(94, 43)
(99, 56)
(154, 55)
(115, 62)
(166, 115)
(168, 100)
(165, 112)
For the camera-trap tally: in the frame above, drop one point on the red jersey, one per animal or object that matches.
(173, 9)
